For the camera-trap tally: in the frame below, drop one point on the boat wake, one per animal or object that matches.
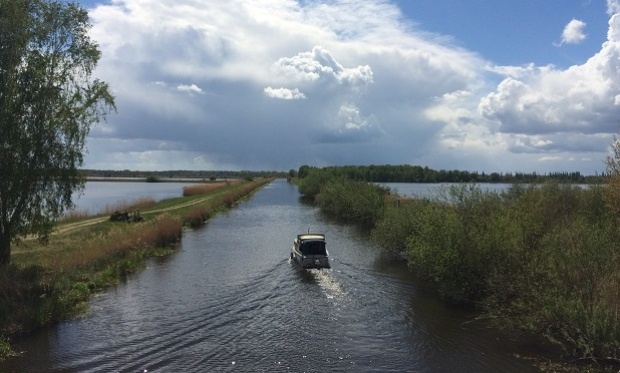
(328, 283)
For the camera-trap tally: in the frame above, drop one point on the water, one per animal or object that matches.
(432, 189)
(231, 300)
(98, 195)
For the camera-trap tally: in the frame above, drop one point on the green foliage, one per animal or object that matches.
(48, 102)
(310, 185)
(357, 202)
(153, 179)
(399, 221)
(541, 259)
(5, 349)
(303, 171)
(456, 242)
(418, 174)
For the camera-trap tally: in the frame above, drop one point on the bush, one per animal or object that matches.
(457, 241)
(397, 224)
(310, 186)
(541, 259)
(355, 201)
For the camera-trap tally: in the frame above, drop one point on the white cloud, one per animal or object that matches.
(574, 32)
(192, 88)
(613, 7)
(320, 64)
(284, 93)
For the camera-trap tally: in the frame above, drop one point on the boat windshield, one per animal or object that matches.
(313, 248)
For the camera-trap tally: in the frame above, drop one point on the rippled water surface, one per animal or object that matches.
(232, 301)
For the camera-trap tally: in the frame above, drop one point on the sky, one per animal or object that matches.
(478, 85)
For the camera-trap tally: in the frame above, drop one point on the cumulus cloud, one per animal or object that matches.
(192, 88)
(613, 7)
(354, 80)
(284, 93)
(573, 32)
(564, 112)
(320, 64)
(543, 100)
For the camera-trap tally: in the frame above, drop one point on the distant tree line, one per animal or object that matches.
(419, 174)
(182, 174)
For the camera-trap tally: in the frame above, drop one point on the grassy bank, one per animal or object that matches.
(46, 283)
(542, 261)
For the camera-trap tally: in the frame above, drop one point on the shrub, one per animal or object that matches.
(397, 224)
(355, 201)
(310, 186)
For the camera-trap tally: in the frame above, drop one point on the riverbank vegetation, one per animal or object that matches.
(48, 282)
(539, 260)
(418, 174)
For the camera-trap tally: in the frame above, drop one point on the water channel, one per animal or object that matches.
(231, 300)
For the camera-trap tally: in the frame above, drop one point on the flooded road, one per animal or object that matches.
(231, 300)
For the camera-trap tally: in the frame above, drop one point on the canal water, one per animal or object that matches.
(232, 301)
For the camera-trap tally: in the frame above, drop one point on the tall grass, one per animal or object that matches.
(137, 204)
(34, 296)
(204, 188)
(200, 213)
(73, 215)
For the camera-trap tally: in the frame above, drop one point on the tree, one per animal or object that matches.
(612, 184)
(48, 101)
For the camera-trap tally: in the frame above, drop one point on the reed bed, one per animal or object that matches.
(204, 188)
(137, 204)
(73, 215)
(197, 216)
(163, 231)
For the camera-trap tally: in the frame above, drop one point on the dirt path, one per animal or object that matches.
(65, 228)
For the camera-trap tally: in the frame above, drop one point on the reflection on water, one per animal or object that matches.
(99, 195)
(231, 300)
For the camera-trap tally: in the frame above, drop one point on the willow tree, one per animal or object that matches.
(48, 101)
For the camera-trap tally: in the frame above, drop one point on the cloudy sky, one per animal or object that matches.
(478, 85)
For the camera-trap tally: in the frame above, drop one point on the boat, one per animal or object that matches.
(309, 251)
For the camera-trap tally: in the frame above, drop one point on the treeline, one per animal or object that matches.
(542, 260)
(182, 174)
(419, 174)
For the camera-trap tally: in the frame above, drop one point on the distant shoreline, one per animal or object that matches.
(146, 180)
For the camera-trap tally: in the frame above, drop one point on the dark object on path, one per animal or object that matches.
(125, 216)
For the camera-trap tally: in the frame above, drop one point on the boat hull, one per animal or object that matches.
(309, 251)
(310, 261)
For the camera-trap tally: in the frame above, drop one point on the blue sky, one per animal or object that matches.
(479, 85)
(514, 32)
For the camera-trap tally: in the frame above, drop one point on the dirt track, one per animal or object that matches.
(65, 228)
